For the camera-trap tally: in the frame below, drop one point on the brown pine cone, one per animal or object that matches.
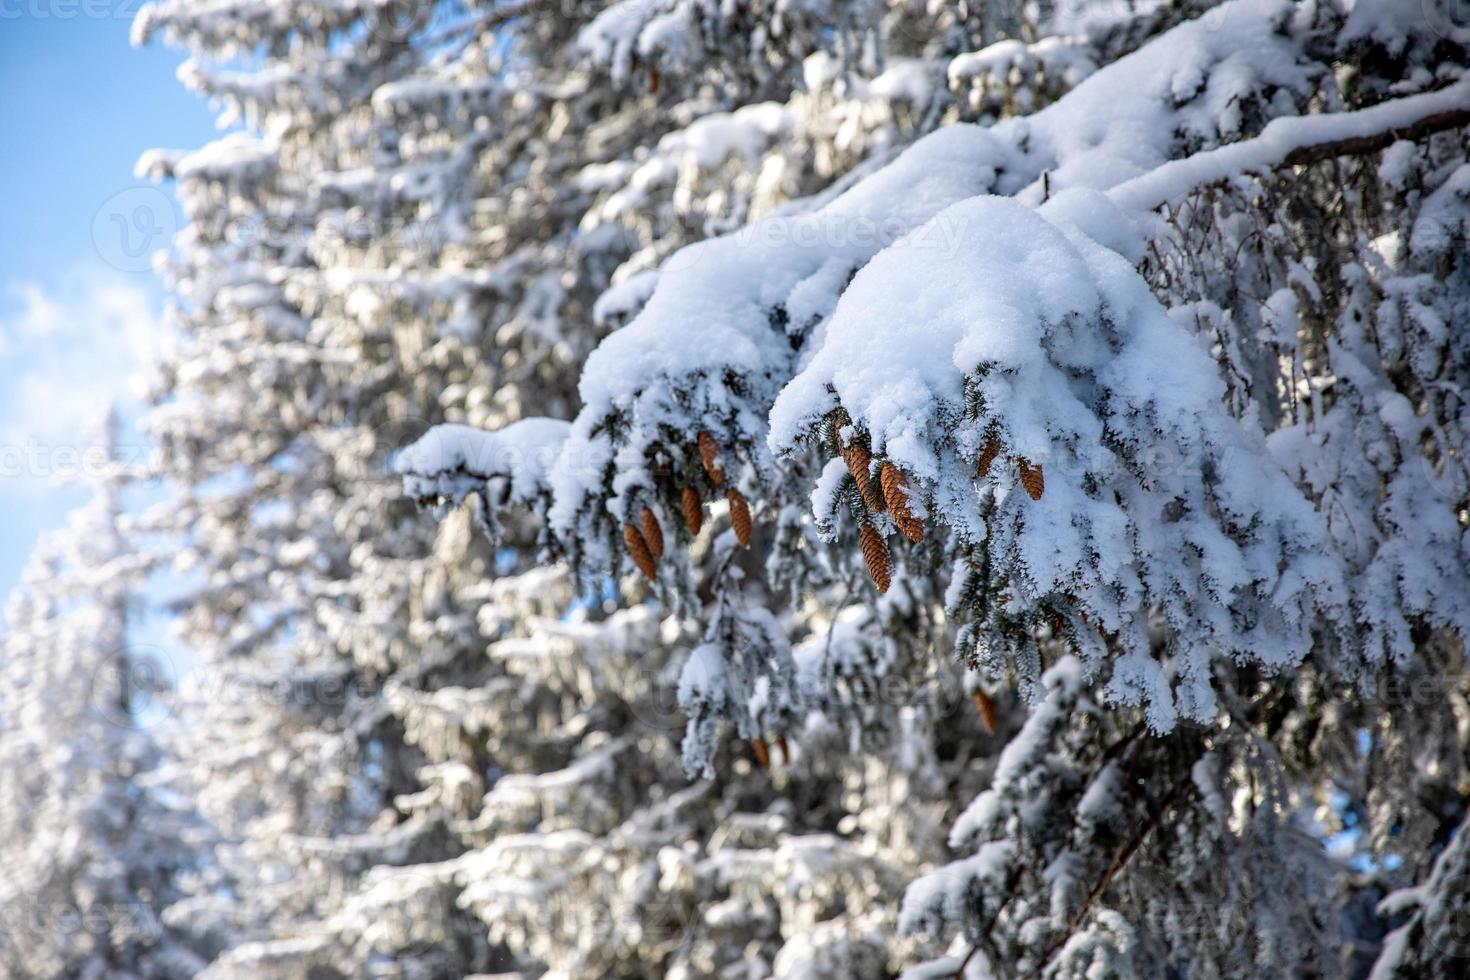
(895, 490)
(693, 509)
(709, 451)
(785, 748)
(835, 418)
(875, 553)
(987, 455)
(652, 533)
(989, 716)
(638, 551)
(911, 528)
(859, 464)
(762, 753)
(1032, 480)
(739, 516)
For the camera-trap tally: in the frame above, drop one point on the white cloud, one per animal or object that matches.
(67, 351)
(38, 316)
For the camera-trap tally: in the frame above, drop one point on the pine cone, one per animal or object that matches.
(739, 516)
(693, 509)
(638, 551)
(652, 533)
(989, 716)
(785, 748)
(895, 490)
(762, 753)
(987, 455)
(875, 553)
(709, 451)
(834, 417)
(859, 464)
(1032, 480)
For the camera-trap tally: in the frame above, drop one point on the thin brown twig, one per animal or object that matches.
(1120, 860)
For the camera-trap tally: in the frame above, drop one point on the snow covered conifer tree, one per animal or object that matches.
(1099, 363)
(428, 772)
(1131, 391)
(93, 854)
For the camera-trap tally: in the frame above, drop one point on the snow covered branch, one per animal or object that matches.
(944, 485)
(450, 461)
(1300, 141)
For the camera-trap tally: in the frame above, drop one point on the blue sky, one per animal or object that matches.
(79, 309)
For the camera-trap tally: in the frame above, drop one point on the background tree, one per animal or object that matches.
(94, 849)
(1016, 394)
(417, 227)
(1113, 348)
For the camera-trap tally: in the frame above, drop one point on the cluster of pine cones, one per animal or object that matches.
(891, 494)
(645, 540)
(889, 491)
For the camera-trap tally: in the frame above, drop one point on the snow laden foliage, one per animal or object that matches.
(423, 751)
(952, 488)
(1435, 931)
(1075, 800)
(1138, 384)
(1044, 352)
(95, 848)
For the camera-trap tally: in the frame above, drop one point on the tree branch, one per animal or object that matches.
(1300, 140)
(1120, 860)
(1359, 145)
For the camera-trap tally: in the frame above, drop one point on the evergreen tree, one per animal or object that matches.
(1114, 350)
(94, 850)
(418, 228)
(1122, 412)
